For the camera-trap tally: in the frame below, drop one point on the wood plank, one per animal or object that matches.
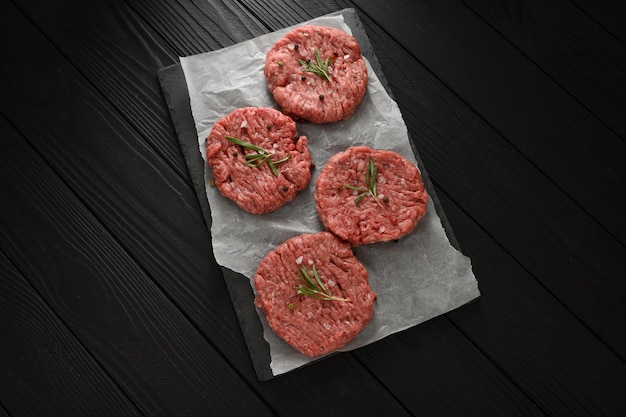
(435, 371)
(576, 52)
(213, 24)
(50, 372)
(553, 357)
(608, 13)
(125, 77)
(129, 190)
(111, 163)
(146, 345)
(518, 100)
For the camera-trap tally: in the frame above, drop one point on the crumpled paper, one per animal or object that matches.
(417, 278)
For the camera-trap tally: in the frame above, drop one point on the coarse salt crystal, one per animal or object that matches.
(299, 260)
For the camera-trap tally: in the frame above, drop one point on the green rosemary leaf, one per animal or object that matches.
(255, 160)
(314, 287)
(370, 180)
(245, 144)
(318, 67)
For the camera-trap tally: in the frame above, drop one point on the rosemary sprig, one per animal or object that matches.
(318, 67)
(314, 287)
(261, 156)
(370, 181)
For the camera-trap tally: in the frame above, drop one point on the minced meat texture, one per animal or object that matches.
(399, 204)
(309, 96)
(314, 326)
(257, 189)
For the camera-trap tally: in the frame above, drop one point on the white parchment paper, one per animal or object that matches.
(415, 279)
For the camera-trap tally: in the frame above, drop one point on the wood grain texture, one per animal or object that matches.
(538, 338)
(149, 209)
(196, 26)
(106, 300)
(108, 257)
(41, 359)
(576, 52)
(608, 13)
(107, 65)
(542, 121)
(435, 361)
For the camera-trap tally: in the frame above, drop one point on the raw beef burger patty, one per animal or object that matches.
(314, 326)
(346, 208)
(258, 189)
(309, 96)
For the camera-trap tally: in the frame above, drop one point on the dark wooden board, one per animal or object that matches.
(545, 337)
(143, 342)
(48, 370)
(118, 312)
(127, 79)
(608, 13)
(570, 47)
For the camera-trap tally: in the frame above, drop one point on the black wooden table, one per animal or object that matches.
(112, 304)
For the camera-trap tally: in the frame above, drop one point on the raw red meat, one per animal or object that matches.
(399, 204)
(314, 326)
(305, 95)
(258, 189)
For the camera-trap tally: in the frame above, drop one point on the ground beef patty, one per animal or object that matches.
(245, 175)
(305, 95)
(346, 207)
(314, 326)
